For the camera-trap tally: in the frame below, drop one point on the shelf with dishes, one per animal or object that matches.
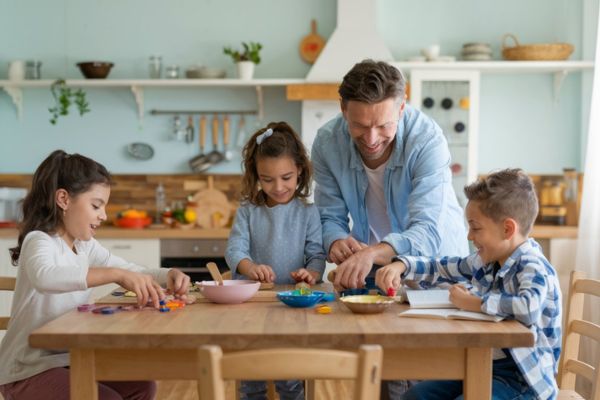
(15, 88)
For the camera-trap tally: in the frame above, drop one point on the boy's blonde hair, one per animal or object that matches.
(508, 193)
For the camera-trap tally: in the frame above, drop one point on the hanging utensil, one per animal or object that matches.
(198, 163)
(215, 156)
(241, 136)
(228, 153)
(189, 130)
(312, 44)
(215, 273)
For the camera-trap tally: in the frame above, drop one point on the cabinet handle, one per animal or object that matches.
(122, 247)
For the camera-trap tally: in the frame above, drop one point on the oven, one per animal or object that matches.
(191, 255)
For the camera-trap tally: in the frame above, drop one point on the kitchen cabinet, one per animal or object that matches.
(144, 252)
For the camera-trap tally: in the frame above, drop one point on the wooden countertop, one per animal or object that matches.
(109, 232)
(149, 233)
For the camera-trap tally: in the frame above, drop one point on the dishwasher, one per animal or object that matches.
(191, 256)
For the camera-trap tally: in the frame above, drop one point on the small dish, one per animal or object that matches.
(300, 301)
(140, 151)
(367, 304)
(133, 222)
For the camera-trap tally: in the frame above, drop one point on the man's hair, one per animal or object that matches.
(372, 82)
(508, 193)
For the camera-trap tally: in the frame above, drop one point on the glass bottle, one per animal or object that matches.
(571, 195)
(155, 67)
(160, 202)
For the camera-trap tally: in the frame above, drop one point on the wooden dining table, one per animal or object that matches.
(152, 345)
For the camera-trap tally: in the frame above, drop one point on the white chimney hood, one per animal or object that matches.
(354, 39)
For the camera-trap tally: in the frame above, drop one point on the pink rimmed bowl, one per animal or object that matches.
(231, 292)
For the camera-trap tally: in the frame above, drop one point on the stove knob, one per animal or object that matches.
(428, 102)
(459, 127)
(447, 103)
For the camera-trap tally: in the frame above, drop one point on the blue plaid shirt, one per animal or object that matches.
(525, 288)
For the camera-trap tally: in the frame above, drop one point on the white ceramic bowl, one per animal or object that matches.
(232, 291)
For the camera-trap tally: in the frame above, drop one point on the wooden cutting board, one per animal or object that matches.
(260, 296)
(312, 44)
(213, 208)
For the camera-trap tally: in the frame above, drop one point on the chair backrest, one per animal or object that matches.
(575, 326)
(6, 284)
(364, 366)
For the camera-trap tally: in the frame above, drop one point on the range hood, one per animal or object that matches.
(354, 39)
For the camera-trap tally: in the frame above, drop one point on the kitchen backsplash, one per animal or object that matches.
(139, 191)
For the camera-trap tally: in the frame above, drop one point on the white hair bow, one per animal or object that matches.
(261, 138)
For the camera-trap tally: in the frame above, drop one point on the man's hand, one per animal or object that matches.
(305, 275)
(461, 298)
(352, 272)
(341, 249)
(390, 276)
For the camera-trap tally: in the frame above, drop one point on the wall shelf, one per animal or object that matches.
(560, 69)
(15, 88)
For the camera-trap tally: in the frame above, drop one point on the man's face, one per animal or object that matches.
(373, 128)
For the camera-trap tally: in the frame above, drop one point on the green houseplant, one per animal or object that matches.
(64, 97)
(245, 59)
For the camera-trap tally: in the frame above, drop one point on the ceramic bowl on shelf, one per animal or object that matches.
(95, 69)
(367, 304)
(231, 292)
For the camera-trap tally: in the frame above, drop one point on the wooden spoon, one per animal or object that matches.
(215, 273)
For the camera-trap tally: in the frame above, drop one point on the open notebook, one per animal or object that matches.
(435, 303)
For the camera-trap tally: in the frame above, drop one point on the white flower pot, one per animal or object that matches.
(245, 70)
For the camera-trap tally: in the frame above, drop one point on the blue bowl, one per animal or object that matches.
(306, 300)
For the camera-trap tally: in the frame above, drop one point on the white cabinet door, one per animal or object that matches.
(144, 252)
(6, 269)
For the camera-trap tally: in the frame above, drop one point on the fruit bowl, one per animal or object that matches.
(95, 69)
(232, 291)
(367, 304)
(133, 222)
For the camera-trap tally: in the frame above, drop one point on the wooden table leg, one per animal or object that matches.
(478, 374)
(83, 383)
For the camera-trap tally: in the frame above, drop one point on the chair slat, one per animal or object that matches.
(581, 368)
(587, 329)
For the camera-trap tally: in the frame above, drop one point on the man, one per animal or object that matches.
(386, 165)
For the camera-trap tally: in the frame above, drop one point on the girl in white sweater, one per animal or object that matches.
(58, 262)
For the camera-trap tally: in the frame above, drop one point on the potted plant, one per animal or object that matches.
(245, 59)
(64, 96)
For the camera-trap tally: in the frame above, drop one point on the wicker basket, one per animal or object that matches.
(535, 52)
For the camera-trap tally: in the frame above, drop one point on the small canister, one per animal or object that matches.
(33, 69)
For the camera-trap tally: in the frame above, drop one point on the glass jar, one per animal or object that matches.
(32, 70)
(155, 67)
(570, 179)
(172, 72)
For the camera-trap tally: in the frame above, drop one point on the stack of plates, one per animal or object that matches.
(476, 52)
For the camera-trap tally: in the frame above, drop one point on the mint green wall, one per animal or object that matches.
(520, 123)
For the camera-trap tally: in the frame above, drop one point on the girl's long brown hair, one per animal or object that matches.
(71, 172)
(283, 142)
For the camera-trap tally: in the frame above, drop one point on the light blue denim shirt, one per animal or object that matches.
(421, 204)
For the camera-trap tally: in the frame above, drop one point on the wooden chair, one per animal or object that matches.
(575, 326)
(6, 284)
(363, 366)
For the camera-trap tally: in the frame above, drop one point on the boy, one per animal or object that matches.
(510, 277)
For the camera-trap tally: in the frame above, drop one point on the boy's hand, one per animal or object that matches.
(461, 298)
(305, 275)
(390, 276)
(178, 283)
(261, 272)
(144, 286)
